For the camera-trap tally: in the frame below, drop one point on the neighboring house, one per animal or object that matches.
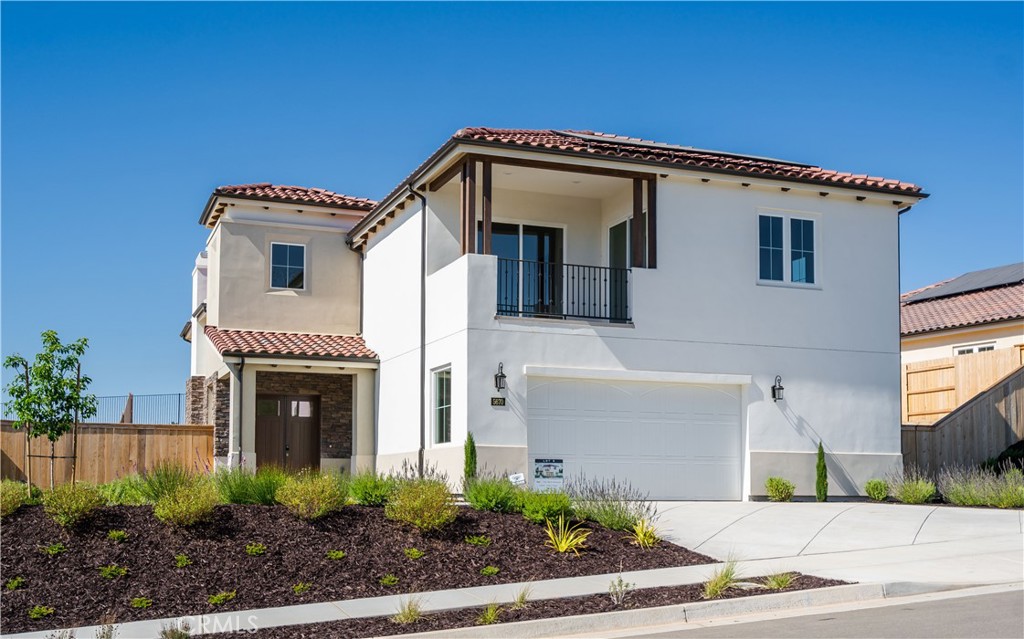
(277, 365)
(958, 337)
(590, 303)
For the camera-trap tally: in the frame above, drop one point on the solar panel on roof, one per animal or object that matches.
(975, 281)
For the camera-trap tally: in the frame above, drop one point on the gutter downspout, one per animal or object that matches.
(423, 329)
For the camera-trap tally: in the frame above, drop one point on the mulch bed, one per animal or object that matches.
(544, 609)
(296, 552)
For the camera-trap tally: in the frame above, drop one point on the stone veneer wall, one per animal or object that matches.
(218, 412)
(335, 392)
(195, 400)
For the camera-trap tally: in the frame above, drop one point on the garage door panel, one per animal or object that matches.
(674, 441)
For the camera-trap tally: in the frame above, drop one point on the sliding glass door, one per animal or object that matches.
(529, 268)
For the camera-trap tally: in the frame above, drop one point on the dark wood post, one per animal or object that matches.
(470, 207)
(652, 222)
(486, 248)
(636, 226)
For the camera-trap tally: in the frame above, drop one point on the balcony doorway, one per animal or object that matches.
(529, 268)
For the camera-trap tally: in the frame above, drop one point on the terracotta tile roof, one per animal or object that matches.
(279, 193)
(965, 309)
(617, 146)
(239, 342)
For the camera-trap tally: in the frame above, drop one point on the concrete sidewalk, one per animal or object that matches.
(932, 547)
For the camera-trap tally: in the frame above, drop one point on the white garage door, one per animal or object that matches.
(675, 441)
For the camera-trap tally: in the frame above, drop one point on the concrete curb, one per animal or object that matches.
(608, 621)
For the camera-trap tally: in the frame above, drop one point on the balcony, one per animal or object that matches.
(562, 291)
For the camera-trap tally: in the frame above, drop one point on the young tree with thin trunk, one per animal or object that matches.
(48, 396)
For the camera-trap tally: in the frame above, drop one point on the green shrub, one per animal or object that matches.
(423, 503)
(495, 494)
(141, 602)
(371, 489)
(478, 540)
(53, 549)
(489, 571)
(301, 587)
(69, 504)
(180, 629)
(311, 495)
(469, 462)
(408, 611)
(15, 583)
(113, 571)
(979, 487)
(38, 612)
(181, 560)
(117, 536)
(565, 538)
(240, 485)
(779, 489)
(164, 479)
(539, 507)
(613, 504)
(221, 597)
(255, 550)
(335, 555)
(413, 553)
(877, 489)
(779, 581)
(124, 491)
(13, 494)
(821, 482)
(644, 534)
(188, 505)
(388, 580)
(911, 487)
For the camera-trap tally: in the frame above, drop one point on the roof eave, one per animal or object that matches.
(368, 360)
(205, 217)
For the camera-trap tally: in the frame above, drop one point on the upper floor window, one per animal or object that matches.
(776, 240)
(287, 265)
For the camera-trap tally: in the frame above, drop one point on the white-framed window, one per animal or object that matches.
(443, 406)
(287, 265)
(786, 249)
(970, 349)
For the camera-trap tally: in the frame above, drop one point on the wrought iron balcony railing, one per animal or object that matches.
(548, 289)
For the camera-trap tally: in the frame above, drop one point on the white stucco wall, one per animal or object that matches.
(835, 344)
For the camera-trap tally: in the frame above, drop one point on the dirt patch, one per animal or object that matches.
(295, 552)
(546, 609)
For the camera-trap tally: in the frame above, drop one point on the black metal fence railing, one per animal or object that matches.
(548, 289)
(135, 409)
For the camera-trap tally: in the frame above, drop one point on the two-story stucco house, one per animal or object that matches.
(693, 321)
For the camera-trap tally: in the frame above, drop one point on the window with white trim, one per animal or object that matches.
(781, 236)
(287, 265)
(974, 348)
(443, 406)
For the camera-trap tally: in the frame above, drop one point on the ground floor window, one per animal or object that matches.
(443, 406)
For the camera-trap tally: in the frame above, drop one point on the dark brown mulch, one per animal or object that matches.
(545, 609)
(296, 551)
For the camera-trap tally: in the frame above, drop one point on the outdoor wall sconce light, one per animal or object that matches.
(777, 389)
(499, 377)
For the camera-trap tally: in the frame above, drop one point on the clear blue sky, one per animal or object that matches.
(119, 119)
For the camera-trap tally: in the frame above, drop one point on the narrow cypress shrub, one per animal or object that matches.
(821, 486)
(469, 466)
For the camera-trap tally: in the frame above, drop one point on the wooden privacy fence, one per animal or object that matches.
(934, 388)
(982, 428)
(107, 451)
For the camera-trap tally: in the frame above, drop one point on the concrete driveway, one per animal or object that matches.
(856, 541)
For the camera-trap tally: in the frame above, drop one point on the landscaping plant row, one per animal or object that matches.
(997, 487)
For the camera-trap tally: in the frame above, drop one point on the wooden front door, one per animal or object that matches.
(288, 431)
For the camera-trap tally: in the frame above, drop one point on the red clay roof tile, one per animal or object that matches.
(241, 342)
(966, 309)
(277, 192)
(618, 146)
